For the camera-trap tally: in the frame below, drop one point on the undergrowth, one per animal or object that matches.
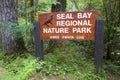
(68, 64)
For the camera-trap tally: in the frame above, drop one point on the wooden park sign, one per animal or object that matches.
(68, 25)
(82, 25)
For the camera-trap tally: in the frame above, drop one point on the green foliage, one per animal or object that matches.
(112, 28)
(27, 70)
(20, 31)
(45, 5)
(66, 64)
(114, 67)
(27, 34)
(78, 5)
(22, 66)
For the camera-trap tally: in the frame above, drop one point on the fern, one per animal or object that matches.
(27, 70)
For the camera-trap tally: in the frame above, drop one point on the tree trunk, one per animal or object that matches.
(32, 12)
(26, 15)
(8, 15)
(60, 7)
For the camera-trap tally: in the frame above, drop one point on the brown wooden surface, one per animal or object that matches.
(72, 36)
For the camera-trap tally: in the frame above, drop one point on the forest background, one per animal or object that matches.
(64, 60)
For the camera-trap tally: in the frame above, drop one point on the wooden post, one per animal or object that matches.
(99, 44)
(38, 41)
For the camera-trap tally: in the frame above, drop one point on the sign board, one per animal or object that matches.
(68, 25)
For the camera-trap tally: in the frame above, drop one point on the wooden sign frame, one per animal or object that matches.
(99, 40)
